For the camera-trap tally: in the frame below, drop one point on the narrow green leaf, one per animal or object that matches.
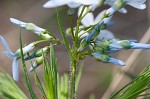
(33, 96)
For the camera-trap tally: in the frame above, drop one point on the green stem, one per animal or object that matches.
(77, 28)
(71, 25)
(73, 72)
(71, 92)
(62, 31)
(26, 72)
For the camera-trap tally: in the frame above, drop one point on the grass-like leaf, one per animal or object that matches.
(50, 75)
(37, 80)
(9, 89)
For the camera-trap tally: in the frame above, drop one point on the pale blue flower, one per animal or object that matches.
(15, 56)
(107, 59)
(11, 55)
(70, 3)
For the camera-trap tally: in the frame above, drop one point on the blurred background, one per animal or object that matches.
(97, 76)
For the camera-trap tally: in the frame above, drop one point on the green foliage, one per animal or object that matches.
(9, 89)
(50, 76)
(134, 88)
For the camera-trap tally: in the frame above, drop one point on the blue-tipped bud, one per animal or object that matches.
(107, 59)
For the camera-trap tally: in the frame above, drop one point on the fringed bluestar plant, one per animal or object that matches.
(70, 3)
(43, 33)
(15, 56)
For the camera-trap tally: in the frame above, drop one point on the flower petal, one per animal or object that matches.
(99, 17)
(123, 10)
(138, 5)
(18, 22)
(5, 44)
(73, 4)
(106, 35)
(56, 3)
(15, 70)
(86, 2)
(88, 19)
(9, 54)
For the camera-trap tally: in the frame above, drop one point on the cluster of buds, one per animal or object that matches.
(102, 42)
(101, 48)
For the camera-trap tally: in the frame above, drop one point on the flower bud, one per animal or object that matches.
(38, 61)
(107, 59)
(25, 50)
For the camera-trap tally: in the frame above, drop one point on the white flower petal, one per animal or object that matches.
(138, 5)
(111, 10)
(99, 17)
(88, 19)
(56, 3)
(73, 4)
(15, 70)
(123, 10)
(18, 22)
(86, 2)
(28, 48)
(105, 34)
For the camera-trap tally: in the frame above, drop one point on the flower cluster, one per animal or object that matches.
(92, 33)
